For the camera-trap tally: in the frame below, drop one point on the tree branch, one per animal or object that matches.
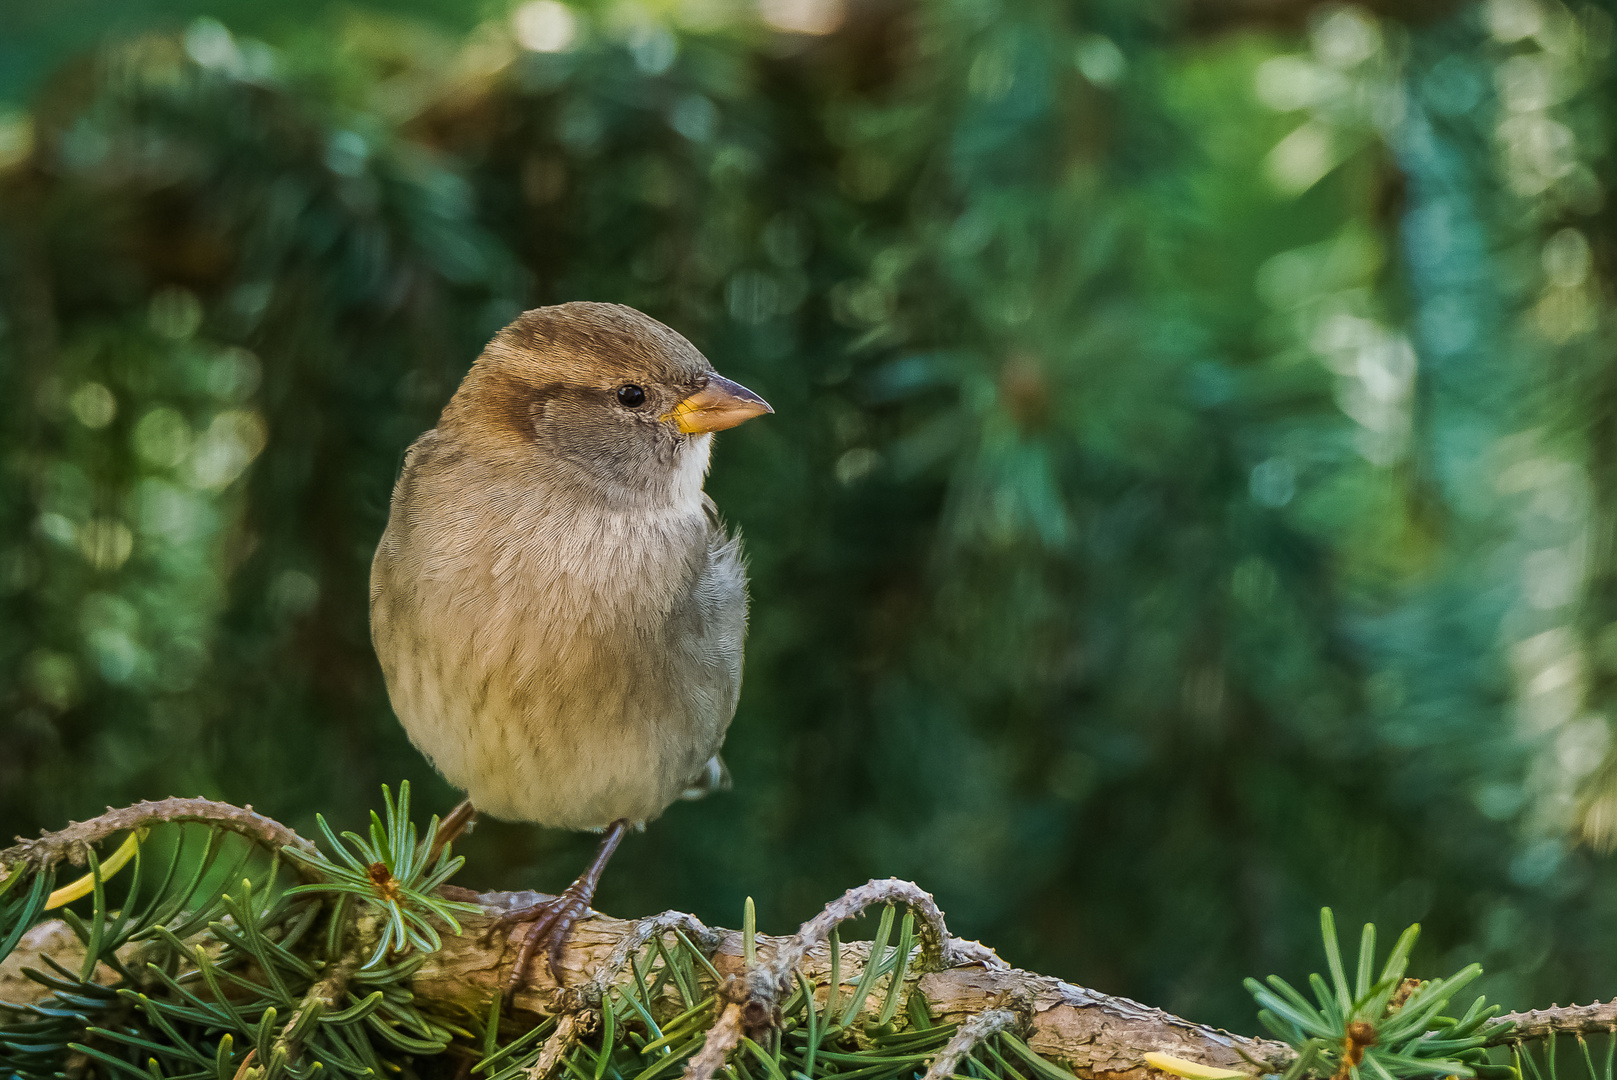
(69, 843)
(1093, 1034)
(962, 982)
(1596, 1019)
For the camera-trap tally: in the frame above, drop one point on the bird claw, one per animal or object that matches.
(550, 923)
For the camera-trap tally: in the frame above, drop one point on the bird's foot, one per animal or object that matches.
(552, 921)
(549, 924)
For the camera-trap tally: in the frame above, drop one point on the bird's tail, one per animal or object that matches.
(715, 776)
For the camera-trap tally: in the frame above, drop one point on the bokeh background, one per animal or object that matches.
(1191, 499)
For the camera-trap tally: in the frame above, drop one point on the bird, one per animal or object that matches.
(556, 604)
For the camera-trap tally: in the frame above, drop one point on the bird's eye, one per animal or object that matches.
(631, 396)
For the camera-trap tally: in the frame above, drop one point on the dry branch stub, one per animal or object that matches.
(970, 1034)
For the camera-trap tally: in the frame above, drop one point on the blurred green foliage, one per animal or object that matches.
(1191, 498)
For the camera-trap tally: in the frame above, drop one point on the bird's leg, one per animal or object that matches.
(459, 820)
(553, 920)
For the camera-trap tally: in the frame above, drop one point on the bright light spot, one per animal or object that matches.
(347, 153)
(1538, 151)
(1305, 275)
(116, 654)
(106, 544)
(653, 47)
(1549, 673)
(803, 16)
(1346, 37)
(1377, 379)
(1566, 259)
(1579, 748)
(1551, 577)
(234, 375)
(16, 139)
(170, 513)
(992, 73)
(93, 405)
(695, 117)
(546, 26)
(1387, 369)
(225, 450)
(488, 51)
(1288, 83)
(1600, 821)
(209, 43)
(1563, 314)
(1555, 489)
(1100, 60)
(58, 527)
(1512, 20)
(1273, 482)
(1528, 82)
(162, 437)
(855, 465)
(1301, 159)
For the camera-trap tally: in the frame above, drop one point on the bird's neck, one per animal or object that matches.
(667, 489)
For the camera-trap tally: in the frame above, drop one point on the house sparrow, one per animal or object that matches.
(557, 607)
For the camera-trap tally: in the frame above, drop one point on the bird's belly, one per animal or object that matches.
(573, 733)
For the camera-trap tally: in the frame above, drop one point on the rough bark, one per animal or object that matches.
(1596, 1019)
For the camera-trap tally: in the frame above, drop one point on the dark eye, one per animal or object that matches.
(631, 396)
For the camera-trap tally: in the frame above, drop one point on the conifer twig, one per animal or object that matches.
(568, 1029)
(69, 843)
(722, 1038)
(970, 1034)
(1598, 1018)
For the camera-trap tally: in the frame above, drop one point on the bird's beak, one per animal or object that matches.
(718, 405)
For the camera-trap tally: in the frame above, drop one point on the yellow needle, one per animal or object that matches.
(69, 893)
(1189, 1069)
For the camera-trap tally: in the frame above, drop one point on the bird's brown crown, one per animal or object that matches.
(551, 351)
(592, 344)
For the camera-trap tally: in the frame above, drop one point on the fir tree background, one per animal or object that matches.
(1191, 498)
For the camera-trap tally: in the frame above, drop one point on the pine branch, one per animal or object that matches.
(1094, 1034)
(959, 982)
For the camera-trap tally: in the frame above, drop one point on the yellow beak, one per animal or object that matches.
(718, 405)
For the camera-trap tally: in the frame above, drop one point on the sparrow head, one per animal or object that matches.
(597, 397)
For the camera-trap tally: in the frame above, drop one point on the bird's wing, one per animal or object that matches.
(398, 519)
(712, 629)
